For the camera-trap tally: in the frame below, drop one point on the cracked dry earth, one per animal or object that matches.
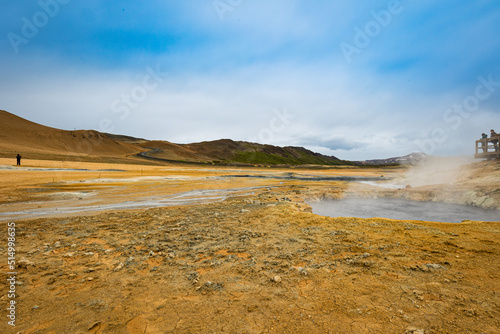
(255, 264)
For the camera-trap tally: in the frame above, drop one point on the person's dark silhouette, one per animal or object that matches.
(18, 160)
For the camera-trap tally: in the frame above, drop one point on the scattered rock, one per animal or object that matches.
(119, 266)
(434, 266)
(425, 268)
(414, 330)
(193, 277)
(277, 279)
(302, 271)
(94, 326)
(210, 287)
(25, 263)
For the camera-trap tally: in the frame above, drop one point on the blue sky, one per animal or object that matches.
(354, 79)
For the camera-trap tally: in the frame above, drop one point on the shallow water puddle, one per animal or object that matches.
(402, 210)
(185, 198)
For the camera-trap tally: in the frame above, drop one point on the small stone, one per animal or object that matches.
(69, 254)
(277, 279)
(414, 330)
(119, 266)
(89, 270)
(90, 279)
(151, 253)
(73, 245)
(36, 307)
(434, 266)
(24, 263)
(88, 253)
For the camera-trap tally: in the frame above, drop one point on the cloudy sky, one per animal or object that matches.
(355, 79)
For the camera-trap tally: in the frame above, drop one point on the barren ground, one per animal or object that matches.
(241, 255)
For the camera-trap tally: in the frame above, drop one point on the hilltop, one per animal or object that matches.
(18, 135)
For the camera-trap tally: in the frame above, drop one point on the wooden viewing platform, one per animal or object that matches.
(488, 148)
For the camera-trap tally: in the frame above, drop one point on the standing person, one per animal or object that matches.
(484, 142)
(493, 134)
(18, 160)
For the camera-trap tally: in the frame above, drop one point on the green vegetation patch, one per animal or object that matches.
(257, 157)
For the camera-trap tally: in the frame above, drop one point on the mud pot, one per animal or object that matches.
(402, 209)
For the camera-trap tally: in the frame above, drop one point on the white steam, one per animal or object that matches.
(437, 170)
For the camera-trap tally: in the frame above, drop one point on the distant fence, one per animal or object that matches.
(488, 147)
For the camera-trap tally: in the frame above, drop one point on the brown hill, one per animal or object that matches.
(18, 135)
